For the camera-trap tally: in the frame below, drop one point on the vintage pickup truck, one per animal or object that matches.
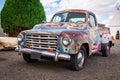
(71, 35)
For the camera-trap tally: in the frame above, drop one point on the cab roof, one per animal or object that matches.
(74, 10)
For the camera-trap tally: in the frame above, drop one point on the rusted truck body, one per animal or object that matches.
(71, 35)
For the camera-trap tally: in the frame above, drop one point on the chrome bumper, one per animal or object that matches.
(54, 55)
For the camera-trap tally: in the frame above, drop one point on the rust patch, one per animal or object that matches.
(51, 50)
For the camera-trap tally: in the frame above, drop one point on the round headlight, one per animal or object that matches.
(66, 41)
(20, 37)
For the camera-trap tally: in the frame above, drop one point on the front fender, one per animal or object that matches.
(76, 41)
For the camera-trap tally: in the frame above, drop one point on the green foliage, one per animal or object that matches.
(18, 15)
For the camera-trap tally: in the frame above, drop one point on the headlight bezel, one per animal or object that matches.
(66, 41)
(20, 37)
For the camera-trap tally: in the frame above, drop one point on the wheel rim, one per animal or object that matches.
(80, 58)
(108, 50)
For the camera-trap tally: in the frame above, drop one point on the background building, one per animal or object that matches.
(103, 28)
(115, 24)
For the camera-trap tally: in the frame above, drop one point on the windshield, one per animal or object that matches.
(75, 17)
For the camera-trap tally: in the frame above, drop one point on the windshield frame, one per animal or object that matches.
(67, 16)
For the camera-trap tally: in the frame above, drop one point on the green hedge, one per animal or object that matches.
(18, 15)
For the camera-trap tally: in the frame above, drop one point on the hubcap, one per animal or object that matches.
(108, 50)
(80, 58)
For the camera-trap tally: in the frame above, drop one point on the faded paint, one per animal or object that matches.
(74, 10)
(78, 33)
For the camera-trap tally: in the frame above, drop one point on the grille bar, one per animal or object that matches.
(43, 48)
(31, 37)
(36, 45)
(41, 43)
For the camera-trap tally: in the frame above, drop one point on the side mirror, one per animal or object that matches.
(44, 21)
(100, 35)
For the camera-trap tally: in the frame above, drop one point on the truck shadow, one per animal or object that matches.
(60, 65)
(50, 65)
(95, 60)
(2, 59)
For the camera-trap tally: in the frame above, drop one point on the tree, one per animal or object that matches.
(18, 15)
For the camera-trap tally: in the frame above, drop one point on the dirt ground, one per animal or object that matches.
(13, 67)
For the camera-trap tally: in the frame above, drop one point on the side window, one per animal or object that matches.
(92, 21)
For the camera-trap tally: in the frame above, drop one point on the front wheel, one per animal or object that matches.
(78, 60)
(105, 50)
(27, 58)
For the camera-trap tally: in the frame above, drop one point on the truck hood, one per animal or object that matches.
(56, 28)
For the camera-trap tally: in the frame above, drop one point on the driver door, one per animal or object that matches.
(94, 32)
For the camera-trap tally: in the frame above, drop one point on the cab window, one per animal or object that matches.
(92, 21)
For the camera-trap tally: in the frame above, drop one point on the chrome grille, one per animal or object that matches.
(41, 41)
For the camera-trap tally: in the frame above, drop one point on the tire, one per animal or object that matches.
(105, 50)
(27, 58)
(78, 60)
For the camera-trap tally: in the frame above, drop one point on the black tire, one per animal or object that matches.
(77, 63)
(27, 58)
(105, 50)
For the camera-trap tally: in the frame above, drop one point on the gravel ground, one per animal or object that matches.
(13, 67)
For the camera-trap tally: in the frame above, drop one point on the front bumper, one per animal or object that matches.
(55, 55)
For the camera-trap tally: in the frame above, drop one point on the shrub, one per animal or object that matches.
(18, 15)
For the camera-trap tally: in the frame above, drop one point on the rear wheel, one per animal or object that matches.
(78, 60)
(27, 58)
(105, 50)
